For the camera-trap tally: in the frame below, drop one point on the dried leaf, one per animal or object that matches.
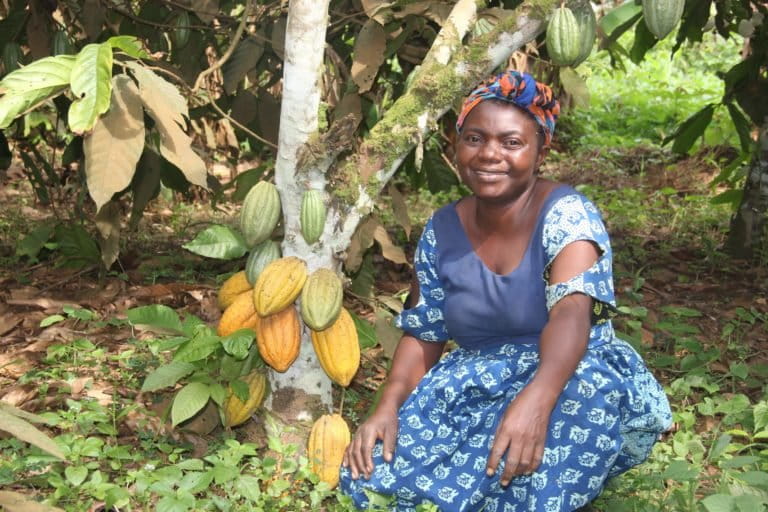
(361, 240)
(387, 334)
(378, 10)
(108, 224)
(114, 147)
(25, 431)
(243, 59)
(38, 33)
(370, 45)
(206, 10)
(167, 107)
(389, 250)
(350, 104)
(278, 37)
(17, 502)
(93, 16)
(400, 209)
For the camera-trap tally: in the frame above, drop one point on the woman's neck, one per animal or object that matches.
(494, 216)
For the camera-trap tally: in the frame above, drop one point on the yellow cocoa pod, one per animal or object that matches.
(232, 287)
(278, 337)
(321, 299)
(279, 284)
(239, 315)
(328, 439)
(235, 410)
(338, 349)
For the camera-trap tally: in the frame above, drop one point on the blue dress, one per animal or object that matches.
(606, 420)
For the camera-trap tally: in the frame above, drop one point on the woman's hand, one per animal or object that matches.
(521, 435)
(358, 456)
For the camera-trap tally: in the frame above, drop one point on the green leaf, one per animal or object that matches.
(43, 74)
(248, 487)
(76, 475)
(742, 125)
(240, 389)
(33, 243)
(197, 348)
(77, 247)
(156, 315)
(130, 45)
(620, 19)
(690, 130)
(220, 242)
(91, 85)
(755, 478)
(681, 471)
(189, 401)
(576, 86)
(238, 343)
(720, 446)
(644, 41)
(718, 503)
(167, 375)
(13, 105)
(366, 332)
(732, 197)
(760, 415)
(50, 320)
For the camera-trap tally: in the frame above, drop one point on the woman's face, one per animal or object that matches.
(498, 151)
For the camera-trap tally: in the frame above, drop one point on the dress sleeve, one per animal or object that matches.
(425, 320)
(572, 218)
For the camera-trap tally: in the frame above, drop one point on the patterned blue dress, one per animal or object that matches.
(606, 420)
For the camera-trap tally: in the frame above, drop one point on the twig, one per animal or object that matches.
(341, 405)
(68, 278)
(232, 46)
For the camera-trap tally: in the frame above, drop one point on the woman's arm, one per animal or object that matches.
(412, 360)
(522, 432)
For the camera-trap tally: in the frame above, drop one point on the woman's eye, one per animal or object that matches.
(512, 143)
(472, 139)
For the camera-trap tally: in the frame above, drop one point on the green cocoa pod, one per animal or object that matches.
(312, 215)
(12, 56)
(260, 213)
(587, 23)
(261, 256)
(662, 16)
(61, 45)
(321, 299)
(180, 34)
(562, 39)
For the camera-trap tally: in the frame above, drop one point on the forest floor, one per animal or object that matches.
(699, 317)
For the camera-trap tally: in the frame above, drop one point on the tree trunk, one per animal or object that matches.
(304, 391)
(748, 227)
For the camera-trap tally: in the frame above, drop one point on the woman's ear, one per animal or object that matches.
(543, 152)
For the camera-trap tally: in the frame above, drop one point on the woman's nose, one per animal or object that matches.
(489, 150)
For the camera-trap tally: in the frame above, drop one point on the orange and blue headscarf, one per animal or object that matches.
(522, 90)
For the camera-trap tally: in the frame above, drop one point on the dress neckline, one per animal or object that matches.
(545, 203)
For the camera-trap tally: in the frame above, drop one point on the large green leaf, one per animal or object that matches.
(691, 129)
(128, 44)
(188, 401)
(620, 19)
(114, 147)
(218, 241)
(167, 375)
(92, 86)
(41, 74)
(157, 316)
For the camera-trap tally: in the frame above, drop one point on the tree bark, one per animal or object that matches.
(748, 226)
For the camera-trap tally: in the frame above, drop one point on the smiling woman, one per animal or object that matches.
(541, 403)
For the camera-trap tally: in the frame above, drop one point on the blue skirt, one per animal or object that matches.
(607, 419)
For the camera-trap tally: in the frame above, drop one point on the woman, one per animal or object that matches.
(541, 403)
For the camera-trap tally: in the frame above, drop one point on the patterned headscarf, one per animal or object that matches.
(522, 90)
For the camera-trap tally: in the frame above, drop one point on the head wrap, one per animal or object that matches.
(520, 89)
